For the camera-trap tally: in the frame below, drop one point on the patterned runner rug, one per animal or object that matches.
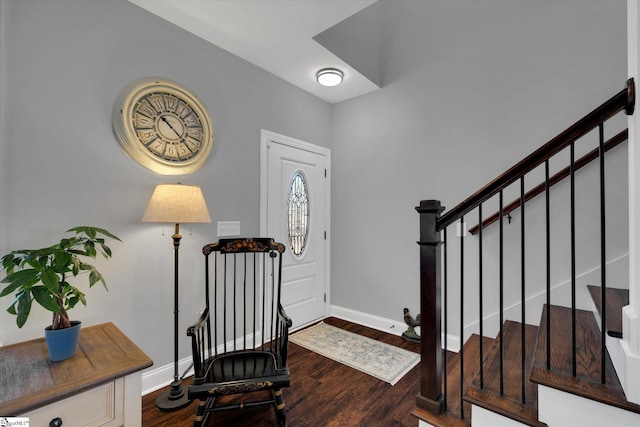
(383, 361)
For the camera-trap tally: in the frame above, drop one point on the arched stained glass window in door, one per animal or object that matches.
(298, 213)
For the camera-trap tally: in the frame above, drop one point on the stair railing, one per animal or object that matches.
(433, 235)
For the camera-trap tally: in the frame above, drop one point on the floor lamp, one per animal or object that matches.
(177, 204)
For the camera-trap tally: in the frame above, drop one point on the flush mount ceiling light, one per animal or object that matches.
(329, 76)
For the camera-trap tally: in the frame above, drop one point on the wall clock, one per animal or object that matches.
(163, 126)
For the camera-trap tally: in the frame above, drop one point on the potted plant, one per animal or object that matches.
(42, 275)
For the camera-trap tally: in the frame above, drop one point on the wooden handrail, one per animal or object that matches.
(539, 189)
(623, 100)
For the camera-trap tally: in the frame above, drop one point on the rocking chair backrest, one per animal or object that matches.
(242, 292)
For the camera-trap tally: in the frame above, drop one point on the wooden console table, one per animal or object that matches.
(101, 385)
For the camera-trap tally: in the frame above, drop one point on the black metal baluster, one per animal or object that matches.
(603, 261)
(501, 295)
(480, 283)
(244, 302)
(224, 304)
(522, 290)
(445, 320)
(461, 316)
(235, 293)
(255, 292)
(264, 300)
(274, 311)
(548, 250)
(215, 301)
(573, 260)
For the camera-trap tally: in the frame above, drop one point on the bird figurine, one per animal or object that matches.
(410, 334)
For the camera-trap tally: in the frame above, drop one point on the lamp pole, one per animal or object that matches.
(174, 398)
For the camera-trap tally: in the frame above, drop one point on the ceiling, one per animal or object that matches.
(292, 39)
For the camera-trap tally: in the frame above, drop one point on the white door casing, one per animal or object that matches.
(305, 278)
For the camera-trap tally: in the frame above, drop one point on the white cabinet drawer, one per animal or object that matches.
(100, 406)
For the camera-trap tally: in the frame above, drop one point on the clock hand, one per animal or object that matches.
(164, 119)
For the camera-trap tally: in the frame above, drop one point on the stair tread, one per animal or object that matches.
(587, 382)
(451, 417)
(510, 402)
(616, 299)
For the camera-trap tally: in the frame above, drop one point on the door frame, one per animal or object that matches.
(266, 137)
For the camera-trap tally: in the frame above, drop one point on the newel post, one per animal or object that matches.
(430, 397)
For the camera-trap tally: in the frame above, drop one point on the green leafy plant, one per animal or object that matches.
(41, 274)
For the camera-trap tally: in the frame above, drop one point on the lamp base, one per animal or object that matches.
(173, 399)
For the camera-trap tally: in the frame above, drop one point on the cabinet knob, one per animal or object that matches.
(56, 422)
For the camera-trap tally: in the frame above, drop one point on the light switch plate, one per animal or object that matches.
(228, 228)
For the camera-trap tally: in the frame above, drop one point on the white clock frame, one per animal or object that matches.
(163, 126)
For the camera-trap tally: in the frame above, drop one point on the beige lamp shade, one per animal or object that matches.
(178, 204)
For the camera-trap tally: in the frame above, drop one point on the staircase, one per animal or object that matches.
(557, 372)
(482, 393)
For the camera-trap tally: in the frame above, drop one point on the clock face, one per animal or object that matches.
(163, 126)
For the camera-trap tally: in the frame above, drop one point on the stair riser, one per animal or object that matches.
(557, 408)
(481, 417)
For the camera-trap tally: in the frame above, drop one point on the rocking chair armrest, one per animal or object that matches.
(200, 342)
(191, 330)
(285, 323)
(283, 316)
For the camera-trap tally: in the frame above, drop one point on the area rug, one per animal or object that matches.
(383, 361)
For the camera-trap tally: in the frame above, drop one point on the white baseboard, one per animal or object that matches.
(162, 376)
(395, 327)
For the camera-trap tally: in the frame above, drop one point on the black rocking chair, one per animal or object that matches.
(250, 330)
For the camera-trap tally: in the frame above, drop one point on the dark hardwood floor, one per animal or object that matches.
(322, 393)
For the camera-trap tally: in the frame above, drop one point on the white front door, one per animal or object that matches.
(294, 210)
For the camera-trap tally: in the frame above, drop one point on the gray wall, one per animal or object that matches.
(65, 63)
(462, 80)
(470, 87)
